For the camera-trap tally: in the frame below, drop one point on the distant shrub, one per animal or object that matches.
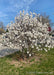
(2, 31)
(7, 30)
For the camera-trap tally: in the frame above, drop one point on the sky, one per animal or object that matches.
(10, 8)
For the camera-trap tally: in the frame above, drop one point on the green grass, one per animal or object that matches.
(45, 65)
(32, 60)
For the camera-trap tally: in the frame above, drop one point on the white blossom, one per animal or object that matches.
(27, 52)
(29, 55)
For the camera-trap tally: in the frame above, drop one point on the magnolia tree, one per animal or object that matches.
(27, 32)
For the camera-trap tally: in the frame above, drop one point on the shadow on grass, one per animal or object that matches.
(16, 55)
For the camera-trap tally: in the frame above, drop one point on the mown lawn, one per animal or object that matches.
(41, 64)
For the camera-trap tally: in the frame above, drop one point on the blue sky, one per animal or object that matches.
(10, 8)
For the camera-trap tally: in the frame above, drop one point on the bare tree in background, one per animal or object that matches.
(2, 25)
(2, 28)
(45, 18)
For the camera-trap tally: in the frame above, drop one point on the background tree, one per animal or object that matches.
(1, 25)
(45, 19)
(2, 28)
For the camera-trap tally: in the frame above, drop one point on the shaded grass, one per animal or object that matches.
(45, 65)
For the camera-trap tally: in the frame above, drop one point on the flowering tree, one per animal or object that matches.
(28, 32)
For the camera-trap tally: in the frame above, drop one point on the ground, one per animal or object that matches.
(40, 64)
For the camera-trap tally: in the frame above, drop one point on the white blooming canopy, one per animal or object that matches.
(27, 32)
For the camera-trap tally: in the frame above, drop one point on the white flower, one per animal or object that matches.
(22, 33)
(20, 41)
(30, 55)
(22, 44)
(32, 46)
(45, 49)
(35, 44)
(27, 52)
(46, 45)
(37, 48)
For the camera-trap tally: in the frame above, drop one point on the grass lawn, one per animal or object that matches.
(41, 64)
